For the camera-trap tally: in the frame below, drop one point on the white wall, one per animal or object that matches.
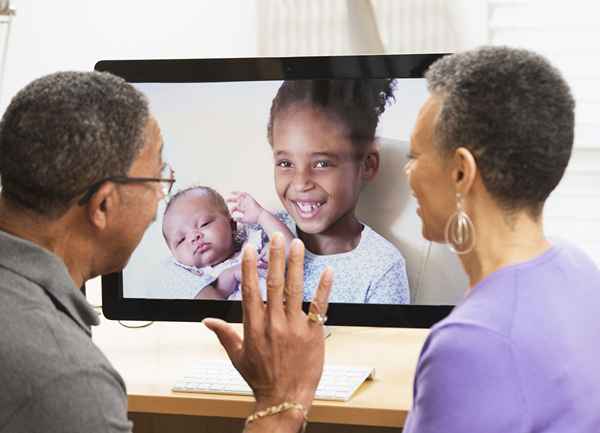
(317, 27)
(51, 35)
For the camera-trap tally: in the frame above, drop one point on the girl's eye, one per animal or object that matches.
(284, 164)
(411, 156)
(206, 223)
(322, 164)
(179, 242)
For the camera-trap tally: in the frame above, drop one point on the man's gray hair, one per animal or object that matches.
(66, 131)
(514, 112)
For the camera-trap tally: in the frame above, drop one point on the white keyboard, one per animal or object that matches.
(220, 377)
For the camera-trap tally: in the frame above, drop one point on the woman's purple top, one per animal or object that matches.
(521, 353)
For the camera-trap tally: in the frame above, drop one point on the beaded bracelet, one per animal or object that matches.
(273, 410)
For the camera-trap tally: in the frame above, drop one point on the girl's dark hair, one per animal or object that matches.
(355, 103)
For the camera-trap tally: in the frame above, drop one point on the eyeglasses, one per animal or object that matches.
(167, 179)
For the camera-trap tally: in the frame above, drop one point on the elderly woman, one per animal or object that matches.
(521, 352)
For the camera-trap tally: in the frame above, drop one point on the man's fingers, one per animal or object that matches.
(252, 304)
(276, 273)
(295, 277)
(321, 298)
(229, 339)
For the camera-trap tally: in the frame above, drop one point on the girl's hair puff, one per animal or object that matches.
(355, 104)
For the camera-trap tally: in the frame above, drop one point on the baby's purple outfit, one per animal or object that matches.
(521, 353)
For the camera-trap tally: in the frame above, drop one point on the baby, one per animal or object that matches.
(203, 236)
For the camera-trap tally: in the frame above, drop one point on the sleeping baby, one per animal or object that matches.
(205, 241)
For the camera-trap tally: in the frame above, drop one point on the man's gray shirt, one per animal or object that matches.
(53, 378)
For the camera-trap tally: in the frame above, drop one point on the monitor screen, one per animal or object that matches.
(302, 150)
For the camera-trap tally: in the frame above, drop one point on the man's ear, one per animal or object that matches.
(102, 205)
(371, 165)
(465, 170)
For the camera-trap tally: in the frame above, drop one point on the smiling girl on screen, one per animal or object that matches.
(205, 241)
(322, 133)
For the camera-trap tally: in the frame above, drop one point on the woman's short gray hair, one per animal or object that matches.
(514, 112)
(65, 131)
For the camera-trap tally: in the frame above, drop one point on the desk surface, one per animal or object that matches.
(151, 360)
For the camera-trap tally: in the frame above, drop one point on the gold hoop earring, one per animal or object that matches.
(460, 231)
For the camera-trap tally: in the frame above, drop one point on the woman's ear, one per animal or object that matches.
(101, 206)
(371, 165)
(465, 170)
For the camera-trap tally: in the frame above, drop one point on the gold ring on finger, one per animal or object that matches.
(317, 318)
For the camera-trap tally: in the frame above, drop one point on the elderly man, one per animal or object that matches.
(82, 174)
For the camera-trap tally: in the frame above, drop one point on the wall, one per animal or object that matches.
(51, 35)
(315, 27)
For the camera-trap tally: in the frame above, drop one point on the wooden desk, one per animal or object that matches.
(151, 359)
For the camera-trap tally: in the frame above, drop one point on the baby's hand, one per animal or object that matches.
(244, 208)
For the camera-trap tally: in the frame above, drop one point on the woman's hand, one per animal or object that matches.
(282, 352)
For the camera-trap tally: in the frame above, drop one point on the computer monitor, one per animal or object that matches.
(274, 130)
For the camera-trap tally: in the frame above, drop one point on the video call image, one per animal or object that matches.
(322, 160)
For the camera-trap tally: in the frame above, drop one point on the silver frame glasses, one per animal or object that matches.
(166, 182)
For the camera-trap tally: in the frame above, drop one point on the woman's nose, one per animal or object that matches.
(407, 168)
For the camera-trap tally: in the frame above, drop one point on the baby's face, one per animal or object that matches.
(317, 176)
(197, 232)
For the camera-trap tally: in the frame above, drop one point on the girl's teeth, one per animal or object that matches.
(308, 207)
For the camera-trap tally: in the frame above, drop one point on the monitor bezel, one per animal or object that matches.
(117, 307)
